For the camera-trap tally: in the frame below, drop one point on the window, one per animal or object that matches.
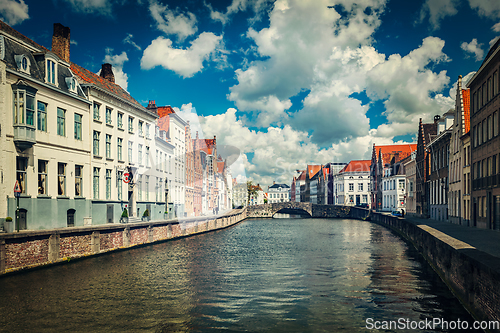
(42, 116)
(140, 128)
(485, 133)
(96, 183)
(490, 92)
(147, 131)
(484, 97)
(108, 116)
(97, 114)
(490, 128)
(139, 185)
(119, 120)
(61, 179)
(351, 198)
(147, 157)
(495, 123)
(157, 159)
(96, 143)
(139, 152)
(360, 187)
(108, 146)
(42, 177)
(119, 149)
(365, 198)
(78, 181)
(131, 125)
(51, 72)
(351, 187)
(119, 184)
(21, 165)
(61, 122)
(108, 184)
(401, 183)
(147, 188)
(24, 105)
(78, 126)
(130, 145)
(71, 84)
(495, 83)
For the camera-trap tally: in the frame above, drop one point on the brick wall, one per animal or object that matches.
(74, 245)
(26, 253)
(111, 240)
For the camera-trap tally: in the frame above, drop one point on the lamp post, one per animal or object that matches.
(166, 197)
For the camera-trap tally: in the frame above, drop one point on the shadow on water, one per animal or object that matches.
(281, 275)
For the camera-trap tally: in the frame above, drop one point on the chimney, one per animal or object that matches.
(437, 118)
(61, 41)
(274, 182)
(107, 72)
(151, 104)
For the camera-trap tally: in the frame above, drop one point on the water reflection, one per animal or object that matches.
(279, 275)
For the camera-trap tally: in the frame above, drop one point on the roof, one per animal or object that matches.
(85, 76)
(16, 34)
(206, 145)
(312, 170)
(357, 166)
(279, 186)
(396, 152)
(466, 102)
(163, 121)
(220, 166)
(302, 176)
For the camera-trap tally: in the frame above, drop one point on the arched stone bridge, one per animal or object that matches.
(304, 208)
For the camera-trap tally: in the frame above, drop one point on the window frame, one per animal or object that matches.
(61, 122)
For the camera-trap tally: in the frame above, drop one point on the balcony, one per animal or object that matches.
(24, 136)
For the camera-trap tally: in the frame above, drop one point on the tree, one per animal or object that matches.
(251, 190)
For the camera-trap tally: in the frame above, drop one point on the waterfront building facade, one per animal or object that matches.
(439, 149)
(278, 193)
(485, 141)
(457, 203)
(410, 168)
(425, 134)
(44, 137)
(351, 184)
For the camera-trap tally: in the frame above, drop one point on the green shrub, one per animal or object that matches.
(146, 213)
(125, 213)
(8, 219)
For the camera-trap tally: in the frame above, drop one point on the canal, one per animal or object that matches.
(273, 275)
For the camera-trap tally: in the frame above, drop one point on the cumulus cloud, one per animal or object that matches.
(487, 8)
(101, 7)
(128, 40)
(258, 7)
(473, 47)
(13, 12)
(438, 10)
(117, 61)
(173, 22)
(496, 27)
(185, 62)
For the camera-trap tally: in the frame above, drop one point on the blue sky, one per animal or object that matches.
(287, 82)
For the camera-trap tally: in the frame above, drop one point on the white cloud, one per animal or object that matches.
(474, 48)
(496, 27)
(493, 41)
(438, 10)
(258, 7)
(102, 7)
(117, 61)
(185, 62)
(488, 8)
(128, 40)
(173, 23)
(13, 12)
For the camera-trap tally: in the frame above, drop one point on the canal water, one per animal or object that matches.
(273, 275)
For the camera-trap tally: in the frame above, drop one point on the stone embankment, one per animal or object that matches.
(30, 249)
(471, 274)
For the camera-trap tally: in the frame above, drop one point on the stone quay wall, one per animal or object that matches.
(31, 249)
(471, 274)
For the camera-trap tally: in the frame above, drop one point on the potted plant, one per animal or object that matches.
(9, 225)
(145, 215)
(124, 218)
(165, 215)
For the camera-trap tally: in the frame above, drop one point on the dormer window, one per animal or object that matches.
(71, 84)
(23, 63)
(51, 71)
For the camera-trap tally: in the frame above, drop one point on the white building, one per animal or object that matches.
(44, 141)
(278, 193)
(351, 184)
(240, 195)
(393, 192)
(257, 199)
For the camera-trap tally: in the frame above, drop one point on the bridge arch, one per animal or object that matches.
(293, 211)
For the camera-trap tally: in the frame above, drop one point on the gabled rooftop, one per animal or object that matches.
(394, 153)
(357, 166)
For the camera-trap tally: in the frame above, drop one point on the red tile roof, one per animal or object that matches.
(220, 166)
(206, 145)
(302, 176)
(398, 152)
(84, 76)
(164, 113)
(357, 166)
(466, 101)
(313, 170)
